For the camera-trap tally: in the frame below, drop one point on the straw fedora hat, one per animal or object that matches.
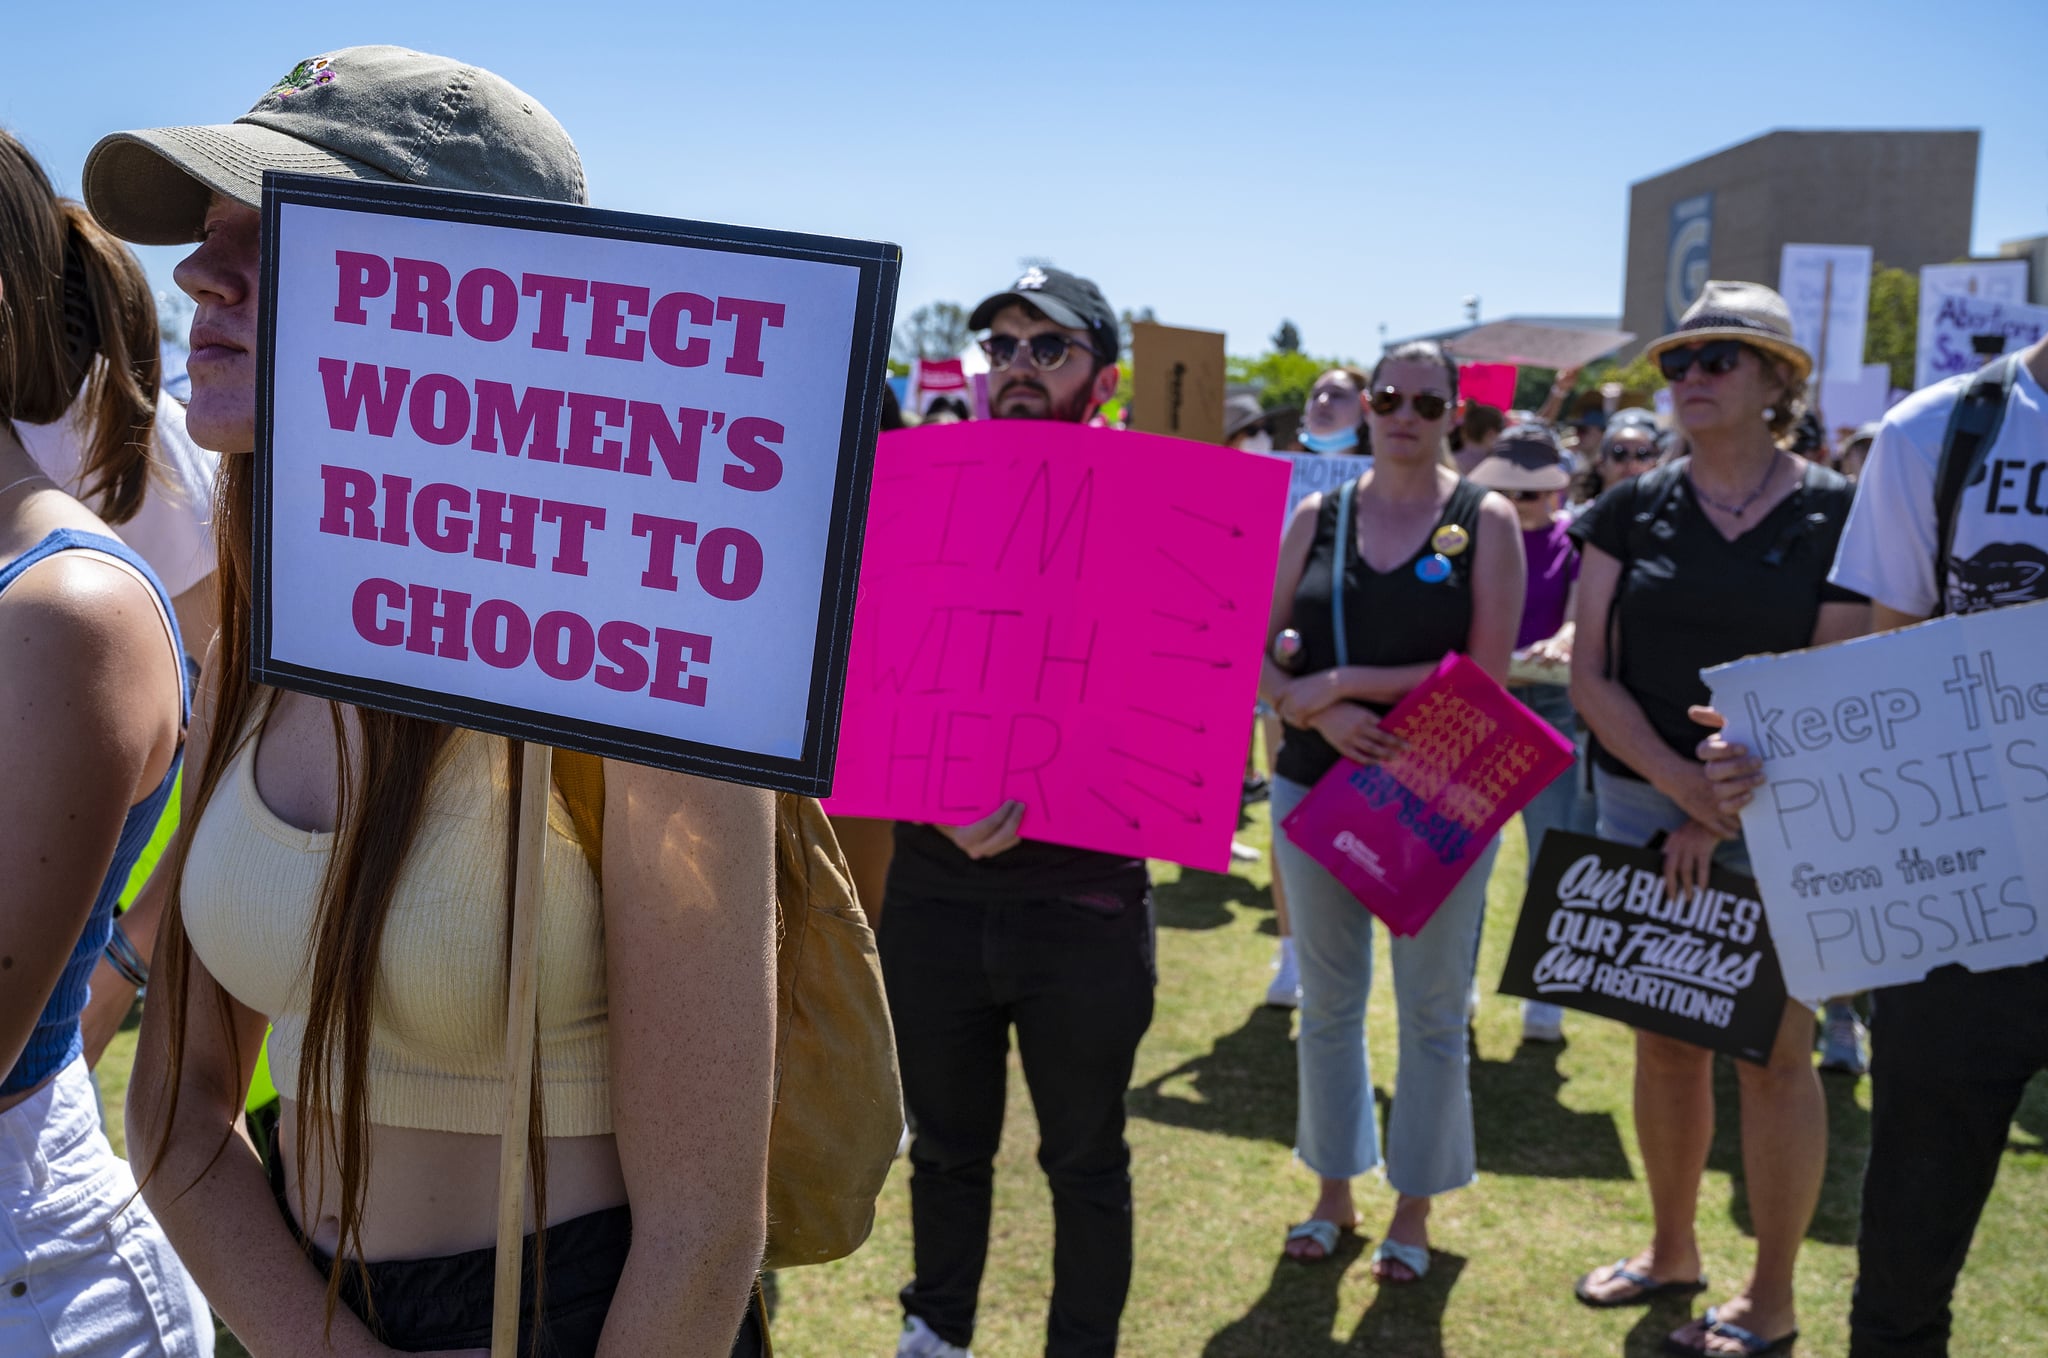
(1749, 312)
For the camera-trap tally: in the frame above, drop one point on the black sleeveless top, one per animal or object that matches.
(1395, 618)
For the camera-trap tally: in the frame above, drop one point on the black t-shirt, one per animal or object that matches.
(1390, 618)
(1689, 599)
(931, 866)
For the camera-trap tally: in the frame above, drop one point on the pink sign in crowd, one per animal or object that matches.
(471, 470)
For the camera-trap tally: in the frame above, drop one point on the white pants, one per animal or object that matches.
(84, 1268)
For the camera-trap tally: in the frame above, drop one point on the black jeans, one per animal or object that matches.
(1950, 1057)
(1075, 977)
(422, 1305)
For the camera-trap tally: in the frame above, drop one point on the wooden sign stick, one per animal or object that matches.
(521, 997)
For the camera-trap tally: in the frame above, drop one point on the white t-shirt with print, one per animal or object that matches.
(2000, 552)
(173, 529)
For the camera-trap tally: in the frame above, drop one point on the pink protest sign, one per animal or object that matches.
(1400, 835)
(1067, 616)
(1487, 384)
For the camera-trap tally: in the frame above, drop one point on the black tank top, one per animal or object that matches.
(1391, 618)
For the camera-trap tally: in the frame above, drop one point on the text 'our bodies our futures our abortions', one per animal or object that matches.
(584, 476)
(1067, 617)
(1599, 932)
(1903, 823)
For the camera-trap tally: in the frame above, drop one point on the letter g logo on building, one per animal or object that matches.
(1686, 258)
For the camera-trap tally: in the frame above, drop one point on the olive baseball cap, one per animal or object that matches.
(383, 114)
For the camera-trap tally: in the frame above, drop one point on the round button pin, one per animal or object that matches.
(1433, 569)
(1451, 539)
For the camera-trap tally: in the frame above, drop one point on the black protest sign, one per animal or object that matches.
(1599, 933)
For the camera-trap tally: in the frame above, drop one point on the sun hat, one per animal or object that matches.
(1749, 312)
(382, 114)
(1066, 299)
(1524, 457)
(1239, 414)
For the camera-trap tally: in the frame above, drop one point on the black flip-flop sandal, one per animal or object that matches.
(1648, 1289)
(1753, 1344)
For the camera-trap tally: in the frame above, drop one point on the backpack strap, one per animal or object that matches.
(579, 778)
(1972, 428)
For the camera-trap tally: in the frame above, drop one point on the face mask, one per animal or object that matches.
(1261, 442)
(1341, 442)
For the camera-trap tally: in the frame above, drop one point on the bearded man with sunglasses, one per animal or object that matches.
(983, 929)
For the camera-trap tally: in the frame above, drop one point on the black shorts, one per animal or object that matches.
(445, 1303)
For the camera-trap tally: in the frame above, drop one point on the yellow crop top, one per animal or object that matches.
(437, 1040)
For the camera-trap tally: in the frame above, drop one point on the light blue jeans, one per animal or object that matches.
(1632, 811)
(1567, 804)
(1429, 1133)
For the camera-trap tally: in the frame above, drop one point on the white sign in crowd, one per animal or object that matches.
(1903, 824)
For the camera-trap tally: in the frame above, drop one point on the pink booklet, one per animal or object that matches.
(1402, 834)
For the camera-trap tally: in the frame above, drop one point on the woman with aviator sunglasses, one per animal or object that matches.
(1380, 581)
(1720, 554)
(1629, 448)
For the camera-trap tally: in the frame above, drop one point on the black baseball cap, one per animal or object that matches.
(1066, 299)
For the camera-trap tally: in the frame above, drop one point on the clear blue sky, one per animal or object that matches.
(1346, 165)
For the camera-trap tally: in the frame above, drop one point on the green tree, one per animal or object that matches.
(1892, 333)
(1282, 377)
(1287, 339)
(937, 330)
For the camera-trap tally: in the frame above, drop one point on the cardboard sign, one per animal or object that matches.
(1599, 934)
(1903, 821)
(1827, 288)
(1318, 474)
(1177, 382)
(1487, 384)
(584, 478)
(1537, 346)
(1967, 332)
(1068, 616)
(2000, 280)
(1402, 834)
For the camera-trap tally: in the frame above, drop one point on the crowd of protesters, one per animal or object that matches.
(1594, 562)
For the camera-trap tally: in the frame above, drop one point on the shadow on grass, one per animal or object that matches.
(1245, 1085)
(1522, 1127)
(1841, 1194)
(1298, 1314)
(1202, 900)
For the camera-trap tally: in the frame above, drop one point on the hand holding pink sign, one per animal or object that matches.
(1401, 834)
(1067, 617)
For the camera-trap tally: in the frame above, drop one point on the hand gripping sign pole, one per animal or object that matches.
(521, 1010)
(587, 480)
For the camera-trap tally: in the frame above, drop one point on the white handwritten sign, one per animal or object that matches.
(2001, 280)
(1318, 473)
(1903, 824)
(1827, 288)
(1962, 323)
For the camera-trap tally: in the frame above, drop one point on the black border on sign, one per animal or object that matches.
(810, 773)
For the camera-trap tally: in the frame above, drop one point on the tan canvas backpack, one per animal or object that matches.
(838, 1101)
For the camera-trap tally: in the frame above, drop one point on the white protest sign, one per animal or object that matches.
(1827, 288)
(2003, 280)
(1903, 821)
(1316, 473)
(1846, 403)
(580, 477)
(1970, 331)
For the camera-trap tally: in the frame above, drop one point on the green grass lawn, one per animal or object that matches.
(1560, 1188)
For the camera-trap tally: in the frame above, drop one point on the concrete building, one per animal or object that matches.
(1910, 196)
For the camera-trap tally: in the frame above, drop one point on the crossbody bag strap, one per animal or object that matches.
(1972, 428)
(1340, 565)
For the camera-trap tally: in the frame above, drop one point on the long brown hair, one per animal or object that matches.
(381, 796)
(75, 313)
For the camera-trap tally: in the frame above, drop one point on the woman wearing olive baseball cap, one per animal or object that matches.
(341, 876)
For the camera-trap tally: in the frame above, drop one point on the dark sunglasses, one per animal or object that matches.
(1616, 453)
(1048, 351)
(1527, 497)
(1428, 405)
(1715, 357)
